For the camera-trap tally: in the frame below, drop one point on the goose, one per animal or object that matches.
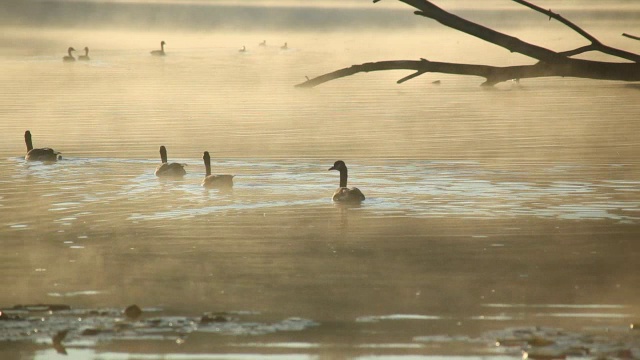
(42, 154)
(169, 170)
(85, 57)
(263, 43)
(244, 49)
(159, 52)
(214, 181)
(69, 58)
(284, 47)
(343, 193)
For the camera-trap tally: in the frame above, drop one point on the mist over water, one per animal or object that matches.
(508, 214)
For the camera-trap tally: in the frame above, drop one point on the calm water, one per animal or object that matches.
(509, 215)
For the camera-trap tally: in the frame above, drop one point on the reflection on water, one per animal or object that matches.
(507, 215)
(74, 188)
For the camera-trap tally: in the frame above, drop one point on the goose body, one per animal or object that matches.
(69, 57)
(263, 43)
(84, 57)
(41, 154)
(169, 170)
(159, 52)
(284, 47)
(214, 181)
(343, 193)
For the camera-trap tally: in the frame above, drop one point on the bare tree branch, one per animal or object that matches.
(492, 74)
(596, 45)
(631, 36)
(427, 9)
(550, 63)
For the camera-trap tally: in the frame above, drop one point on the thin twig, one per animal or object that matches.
(631, 36)
(596, 45)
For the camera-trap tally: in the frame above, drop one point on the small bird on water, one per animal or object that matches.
(159, 52)
(166, 170)
(343, 193)
(84, 57)
(69, 57)
(40, 154)
(214, 181)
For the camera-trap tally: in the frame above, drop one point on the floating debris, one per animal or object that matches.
(42, 307)
(133, 312)
(57, 341)
(59, 323)
(209, 318)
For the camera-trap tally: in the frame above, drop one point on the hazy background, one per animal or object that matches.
(486, 209)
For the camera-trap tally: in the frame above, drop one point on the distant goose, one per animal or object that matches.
(244, 49)
(85, 57)
(343, 193)
(69, 58)
(169, 170)
(159, 52)
(284, 47)
(43, 154)
(263, 43)
(214, 181)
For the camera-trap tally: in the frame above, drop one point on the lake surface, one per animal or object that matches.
(496, 221)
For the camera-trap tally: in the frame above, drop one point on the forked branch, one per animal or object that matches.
(550, 63)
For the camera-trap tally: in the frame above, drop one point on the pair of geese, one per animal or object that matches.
(70, 58)
(85, 57)
(166, 169)
(176, 170)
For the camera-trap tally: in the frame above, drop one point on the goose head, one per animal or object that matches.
(339, 165)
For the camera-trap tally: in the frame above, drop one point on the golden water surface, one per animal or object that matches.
(490, 212)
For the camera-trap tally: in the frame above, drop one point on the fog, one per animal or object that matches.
(512, 209)
(277, 15)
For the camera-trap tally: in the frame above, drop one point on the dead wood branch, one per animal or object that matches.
(550, 63)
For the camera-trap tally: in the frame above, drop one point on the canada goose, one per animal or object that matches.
(85, 57)
(343, 193)
(159, 52)
(214, 181)
(244, 49)
(42, 154)
(263, 43)
(169, 170)
(69, 57)
(284, 47)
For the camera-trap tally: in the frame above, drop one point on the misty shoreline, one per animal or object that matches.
(254, 16)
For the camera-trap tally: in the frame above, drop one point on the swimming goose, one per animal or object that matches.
(169, 170)
(42, 154)
(159, 52)
(214, 181)
(284, 47)
(263, 43)
(69, 57)
(343, 193)
(84, 57)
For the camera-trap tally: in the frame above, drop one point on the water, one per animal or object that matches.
(506, 215)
